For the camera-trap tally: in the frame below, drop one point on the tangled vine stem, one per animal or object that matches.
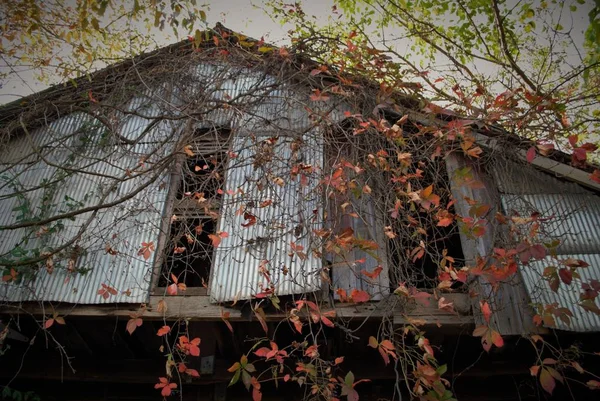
(378, 207)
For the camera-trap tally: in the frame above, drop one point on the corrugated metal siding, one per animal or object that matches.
(264, 106)
(567, 295)
(74, 141)
(281, 113)
(574, 219)
(295, 211)
(514, 178)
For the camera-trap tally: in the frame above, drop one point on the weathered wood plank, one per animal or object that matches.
(199, 308)
(509, 302)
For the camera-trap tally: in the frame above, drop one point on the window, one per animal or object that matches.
(188, 253)
(385, 178)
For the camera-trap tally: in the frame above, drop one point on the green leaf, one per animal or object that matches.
(246, 379)
(235, 378)
(349, 379)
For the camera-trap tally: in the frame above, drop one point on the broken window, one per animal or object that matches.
(189, 250)
(394, 198)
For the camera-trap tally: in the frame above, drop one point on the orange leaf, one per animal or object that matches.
(374, 274)
(339, 360)
(163, 331)
(215, 239)
(359, 296)
(342, 294)
(225, 318)
(485, 309)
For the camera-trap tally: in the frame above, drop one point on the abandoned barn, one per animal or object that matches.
(245, 196)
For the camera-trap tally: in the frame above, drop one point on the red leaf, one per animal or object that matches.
(194, 350)
(172, 289)
(497, 339)
(359, 296)
(260, 315)
(298, 325)
(565, 275)
(251, 219)
(48, 323)
(262, 352)
(374, 274)
(256, 394)
(146, 250)
(531, 153)
(327, 322)
(339, 360)
(547, 381)
(342, 294)
(133, 324)
(163, 331)
(573, 140)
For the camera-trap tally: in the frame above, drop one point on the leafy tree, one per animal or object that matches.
(68, 39)
(474, 57)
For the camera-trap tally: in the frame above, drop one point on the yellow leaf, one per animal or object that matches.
(188, 150)
(265, 49)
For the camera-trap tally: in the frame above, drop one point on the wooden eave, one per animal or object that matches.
(198, 308)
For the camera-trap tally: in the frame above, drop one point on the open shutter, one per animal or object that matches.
(349, 270)
(267, 211)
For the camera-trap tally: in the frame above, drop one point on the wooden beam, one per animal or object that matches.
(198, 308)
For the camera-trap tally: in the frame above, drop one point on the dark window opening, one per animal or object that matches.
(189, 254)
(202, 177)
(424, 272)
(411, 159)
(189, 251)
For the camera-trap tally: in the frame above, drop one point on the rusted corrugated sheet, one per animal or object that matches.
(295, 211)
(78, 143)
(567, 295)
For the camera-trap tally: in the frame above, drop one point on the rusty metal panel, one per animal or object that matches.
(295, 211)
(93, 171)
(567, 295)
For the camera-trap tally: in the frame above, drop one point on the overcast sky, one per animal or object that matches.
(239, 15)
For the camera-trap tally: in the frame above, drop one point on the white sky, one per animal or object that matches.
(244, 16)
